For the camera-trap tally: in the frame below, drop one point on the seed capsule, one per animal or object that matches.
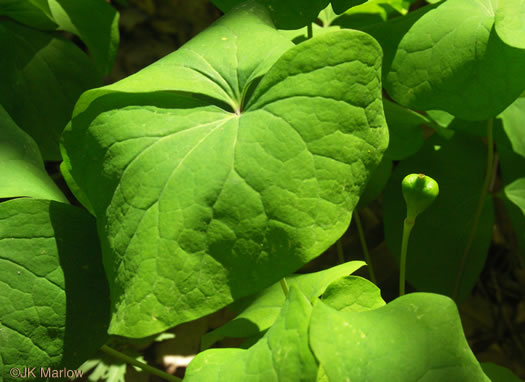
(419, 192)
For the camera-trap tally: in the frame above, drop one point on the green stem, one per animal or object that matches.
(340, 252)
(309, 31)
(479, 210)
(284, 285)
(132, 361)
(362, 239)
(408, 224)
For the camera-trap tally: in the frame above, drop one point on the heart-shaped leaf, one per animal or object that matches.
(54, 299)
(353, 294)
(283, 354)
(42, 59)
(415, 338)
(207, 197)
(259, 312)
(21, 166)
(448, 56)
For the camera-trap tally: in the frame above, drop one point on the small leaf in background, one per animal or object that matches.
(290, 14)
(515, 191)
(353, 294)
(54, 299)
(283, 354)
(341, 6)
(207, 197)
(417, 337)
(498, 373)
(33, 13)
(404, 128)
(21, 166)
(100, 34)
(440, 117)
(53, 71)
(438, 241)
(513, 119)
(447, 56)
(509, 22)
(259, 312)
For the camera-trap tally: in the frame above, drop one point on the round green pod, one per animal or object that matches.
(419, 192)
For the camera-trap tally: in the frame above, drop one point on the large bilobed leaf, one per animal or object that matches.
(95, 22)
(203, 201)
(259, 312)
(289, 14)
(21, 167)
(42, 76)
(34, 13)
(415, 338)
(509, 22)
(54, 299)
(283, 354)
(448, 56)
(437, 245)
(513, 119)
(515, 191)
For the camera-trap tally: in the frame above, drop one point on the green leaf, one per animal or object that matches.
(415, 338)
(439, 238)
(512, 119)
(34, 13)
(341, 6)
(353, 294)
(515, 191)
(21, 167)
(498, 373)
(509, 22)
(207, 197)
(101, 35)
(289, 14)
(259, 312)
(447, 56)
(283, 354)
(53, 71)
(404, 127)
(54, 300)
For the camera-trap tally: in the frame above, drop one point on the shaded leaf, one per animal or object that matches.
(54, 300)
(513, 119)
(283, 354)
(207, 197)
(447, 56)
(404, 127)
(498, 373)
(21, 166)
(41, 59)
(415, 338)
(34, 13)
(438, 241)
(377, 182)
(259, 312)
(341, 6)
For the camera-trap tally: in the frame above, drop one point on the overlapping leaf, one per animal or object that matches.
(54, 299)
(21, 167)
(439, 257)
(448, 56)
(40, 87)
(415, 338)
(353, 294)
(283, 354)
(260, 312)
(206, 189)
(509, 22)
(94, 21)
(512, 119)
